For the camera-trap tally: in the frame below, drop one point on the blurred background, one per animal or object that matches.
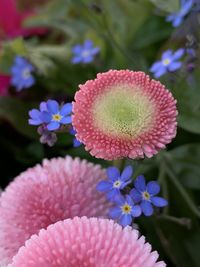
(127, 34)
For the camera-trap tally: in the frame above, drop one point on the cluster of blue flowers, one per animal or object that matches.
(51, 117)
(22, 69)
(170, 61)
(140, 198)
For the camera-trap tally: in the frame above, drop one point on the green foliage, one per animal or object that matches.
(188, 99)
(167, 6)
(186, 164)
(15, 112)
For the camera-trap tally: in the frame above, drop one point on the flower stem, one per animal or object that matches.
(183, 192)
(119, 163)
(162, 181)
(182, 221)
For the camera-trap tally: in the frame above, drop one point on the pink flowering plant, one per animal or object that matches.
(100, 126)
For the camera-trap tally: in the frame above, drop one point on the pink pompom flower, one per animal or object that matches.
(59, 189)
(124, 113)
(89, 243)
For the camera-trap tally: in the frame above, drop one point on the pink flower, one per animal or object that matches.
(89, 243)
(4, 84)
(11, 21)
(59, 189)
(124, 114)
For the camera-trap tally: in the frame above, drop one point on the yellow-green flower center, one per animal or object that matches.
(126, 209)
(117, 184)
(166, 62)
(26, 73)
(123, 111)
(85, 53)
(56, 117)
(146, 195)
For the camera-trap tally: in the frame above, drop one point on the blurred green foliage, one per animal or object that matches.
(131, 35)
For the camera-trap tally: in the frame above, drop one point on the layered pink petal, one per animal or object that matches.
(89, 243)
(61, 188)
(151, 132)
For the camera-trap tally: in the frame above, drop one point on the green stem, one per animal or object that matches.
(182, 221)
(162, 181)
(183, 192)
(119, 163)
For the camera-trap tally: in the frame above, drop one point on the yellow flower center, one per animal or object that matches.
(26, 73)
(117, 184)
(166, 62)
(56, 117)
(126, 208)
(146, 195)
(86, 53)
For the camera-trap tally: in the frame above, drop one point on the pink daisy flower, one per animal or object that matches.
(59, 189)
(89, 243)
(123, 113)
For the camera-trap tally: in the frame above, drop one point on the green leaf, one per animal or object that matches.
(10, 50)
(49, 14)
(167, 6)
(128, 17)
(43, 56)
(178, 243)
(16, 113)
(186, 164)
(188, 102)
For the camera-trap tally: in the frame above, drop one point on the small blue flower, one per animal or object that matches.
(55, 116)
(146, 195)
(76, 143)
(35, 114)
(168, 62)
(177, 17)
(21, 74)
(84, 53)
(115, 182)
(125, 210)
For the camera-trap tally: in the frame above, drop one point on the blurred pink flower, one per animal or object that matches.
(89, 243)
(4, 83)
(124, 113)
(61, 188)
(11, 21)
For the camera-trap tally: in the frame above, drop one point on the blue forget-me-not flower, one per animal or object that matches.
(35, 114)
(145, 195)
(55, 116)
(125, 210)
(84, 53)
(169, 62)
(115, 182)
(177, 17)
(21, 72)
